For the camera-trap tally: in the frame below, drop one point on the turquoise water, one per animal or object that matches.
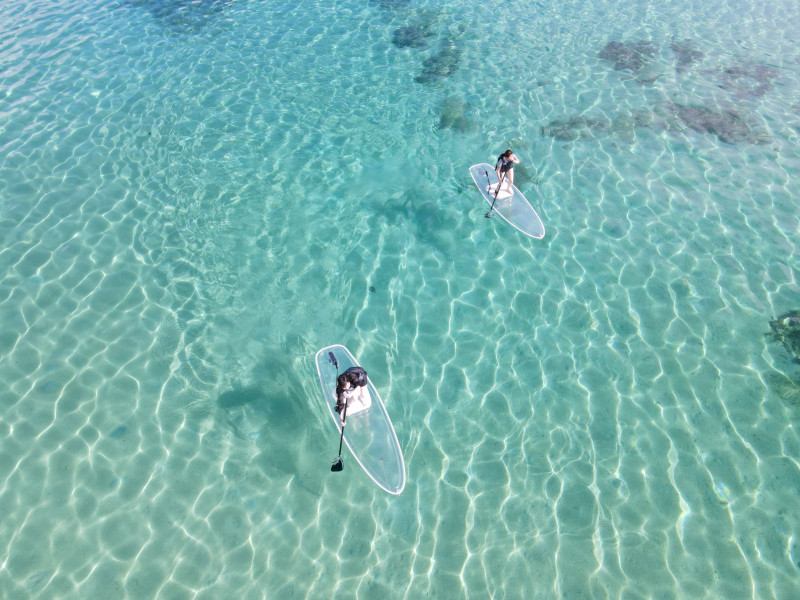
(196, 196)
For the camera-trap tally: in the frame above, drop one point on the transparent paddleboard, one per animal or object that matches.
(511, 205)
(368, 433)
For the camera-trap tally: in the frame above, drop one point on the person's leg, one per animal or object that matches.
(364, 397)
(510, 177)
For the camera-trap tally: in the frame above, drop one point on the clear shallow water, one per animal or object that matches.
(194, 198)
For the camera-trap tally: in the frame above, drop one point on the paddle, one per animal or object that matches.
(488, 215)
(337, 464)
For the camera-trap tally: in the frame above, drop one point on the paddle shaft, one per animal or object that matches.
(337, 464)
(497, 191)
(344, 420)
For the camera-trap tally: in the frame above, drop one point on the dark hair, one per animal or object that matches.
(341, 380)
(508, 153)
(354, 376)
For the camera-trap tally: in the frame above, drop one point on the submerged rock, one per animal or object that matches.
(630, 56)
(391, 4)
(453, 115)
(728, 125)
(442, 64)
(686, 54)
(748, 80)
(576, 127)
(239, 397)
(643, 118)
(413, 36)
(623, 125)
(182, 15)
(786, 329)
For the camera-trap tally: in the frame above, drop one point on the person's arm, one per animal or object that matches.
(514, 158)
(341, 402)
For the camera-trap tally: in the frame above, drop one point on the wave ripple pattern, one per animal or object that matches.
(195, 196)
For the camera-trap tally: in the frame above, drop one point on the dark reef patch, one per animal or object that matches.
(786, 330)
(748, 80)
(412, 36)
(686, 54)
(628, 56)
(728, 125)
(453, 114)
(623, 125)
(391, 4)
(240, 397)
(575, 128)
(441, 65)
(182, 15)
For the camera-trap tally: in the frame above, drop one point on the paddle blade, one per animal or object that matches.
(332, 358)
(337, 465)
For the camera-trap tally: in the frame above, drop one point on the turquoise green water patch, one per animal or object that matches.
(197, 196)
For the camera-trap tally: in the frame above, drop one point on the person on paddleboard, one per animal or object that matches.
(351, 386)
(505, 165)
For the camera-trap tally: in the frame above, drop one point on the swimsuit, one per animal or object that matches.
(504, 164)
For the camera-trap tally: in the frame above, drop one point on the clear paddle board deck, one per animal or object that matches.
(368, 432)
(511, 205)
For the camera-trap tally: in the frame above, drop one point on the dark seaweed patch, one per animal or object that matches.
(728, 125)
(441, 65)
(786, 330)
(748, 80)
(182, 15)
(412, 36)
(453, 114)
(239, 397)
(391, 4)
(686, 54)
(628, 56)
(575, 128)
(583, 128)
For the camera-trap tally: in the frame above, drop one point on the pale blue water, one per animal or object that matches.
(196, 196)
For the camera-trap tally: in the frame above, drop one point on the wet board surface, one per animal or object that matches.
(506, 190)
